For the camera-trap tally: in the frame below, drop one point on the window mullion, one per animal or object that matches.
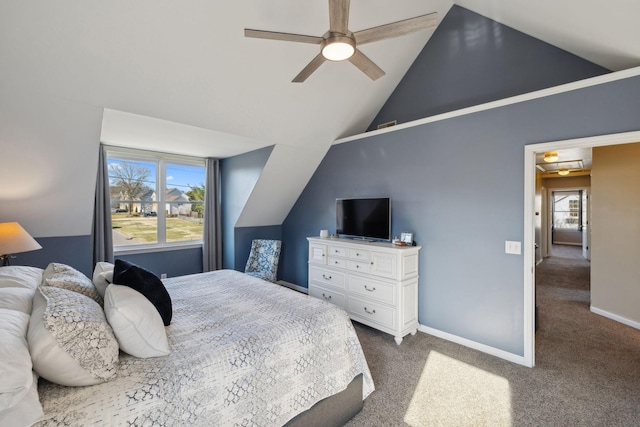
(162, 200)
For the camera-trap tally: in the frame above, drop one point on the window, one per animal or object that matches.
(567, 210)
(156, 199)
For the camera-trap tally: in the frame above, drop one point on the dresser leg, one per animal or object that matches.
(415, 331)
(398, 340)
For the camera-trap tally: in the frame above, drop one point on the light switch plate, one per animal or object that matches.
(511, 247)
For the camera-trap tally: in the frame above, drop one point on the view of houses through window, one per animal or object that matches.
(155, 199)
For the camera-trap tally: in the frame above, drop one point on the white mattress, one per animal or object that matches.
(243, 351)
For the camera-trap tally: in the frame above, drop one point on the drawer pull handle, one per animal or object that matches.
(357, 266)
(326, 297)
(336, 262)
(369, 312)
(326, 277)
(369, 289)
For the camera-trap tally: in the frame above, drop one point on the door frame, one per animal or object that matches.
(530, 152)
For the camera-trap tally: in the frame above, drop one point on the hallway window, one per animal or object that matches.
(567, 210)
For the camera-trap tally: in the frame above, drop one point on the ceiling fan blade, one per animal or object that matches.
(366, 65)
(309, 69)
(288, 37)
(339, 16)
(396, 29)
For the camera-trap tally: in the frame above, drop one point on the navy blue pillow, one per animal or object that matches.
(147, 283)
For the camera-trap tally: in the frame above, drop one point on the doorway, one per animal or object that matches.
(530, 221)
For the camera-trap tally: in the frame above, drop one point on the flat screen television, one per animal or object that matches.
(364, 218)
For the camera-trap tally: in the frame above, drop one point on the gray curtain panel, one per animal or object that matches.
(101, 237)
(212, 239)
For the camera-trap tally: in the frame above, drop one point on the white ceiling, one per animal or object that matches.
(188, 62)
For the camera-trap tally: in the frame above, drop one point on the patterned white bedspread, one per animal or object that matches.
(243, 352)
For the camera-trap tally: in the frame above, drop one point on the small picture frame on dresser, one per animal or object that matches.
(407, 238)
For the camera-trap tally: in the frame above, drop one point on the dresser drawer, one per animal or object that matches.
(338, 251)
(380, 291)
(359, 254)
(371, 312)
(326, 276)
(337, 262)
(359, 266)
(334, 297)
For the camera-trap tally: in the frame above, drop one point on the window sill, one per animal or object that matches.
(143, 249)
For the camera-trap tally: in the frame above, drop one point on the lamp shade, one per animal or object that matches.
(15, 239)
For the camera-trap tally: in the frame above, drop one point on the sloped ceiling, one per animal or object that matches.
(188, 62)
(606, 34)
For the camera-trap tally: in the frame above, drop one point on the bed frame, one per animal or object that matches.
(335, 410)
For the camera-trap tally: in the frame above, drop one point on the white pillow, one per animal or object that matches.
(102, 276)
(69, 338)
(66, 277)
(18, 276)
(26, 412)
(136, 322)
(15, 362)
(18, 299)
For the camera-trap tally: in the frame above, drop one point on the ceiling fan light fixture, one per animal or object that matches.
(338, 47)
(551, 156)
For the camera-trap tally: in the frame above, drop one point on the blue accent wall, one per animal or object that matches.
(243, 237)
(71, 250)
(76, 252)
(458, 184)
(472, 60)
(178, 262)
(238, 176)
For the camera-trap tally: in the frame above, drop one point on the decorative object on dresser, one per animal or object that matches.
(375, 282)
(15, 239)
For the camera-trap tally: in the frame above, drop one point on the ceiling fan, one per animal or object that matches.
(339, 44)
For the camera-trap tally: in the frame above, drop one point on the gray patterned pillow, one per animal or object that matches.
(66, 277)
(69, 338)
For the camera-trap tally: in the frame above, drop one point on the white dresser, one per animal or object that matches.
(376, 283)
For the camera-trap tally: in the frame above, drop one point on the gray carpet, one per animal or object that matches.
(587, 369)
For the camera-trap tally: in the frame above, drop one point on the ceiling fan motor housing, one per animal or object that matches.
(337, 46)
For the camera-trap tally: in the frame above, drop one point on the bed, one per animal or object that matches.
(241, 351)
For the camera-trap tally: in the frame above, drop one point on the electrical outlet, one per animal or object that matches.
(163, 276)
(511, 247)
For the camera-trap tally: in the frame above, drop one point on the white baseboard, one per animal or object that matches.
(615, 317)
(294, 287)
(520, 360)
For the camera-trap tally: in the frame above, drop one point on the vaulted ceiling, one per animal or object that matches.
(166, 68)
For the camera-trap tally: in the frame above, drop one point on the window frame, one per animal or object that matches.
(161, 160)
(578, 209)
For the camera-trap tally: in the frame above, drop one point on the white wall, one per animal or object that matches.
(615, 228)
(48, 162)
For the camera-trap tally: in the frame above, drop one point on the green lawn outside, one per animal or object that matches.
(139, 229)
